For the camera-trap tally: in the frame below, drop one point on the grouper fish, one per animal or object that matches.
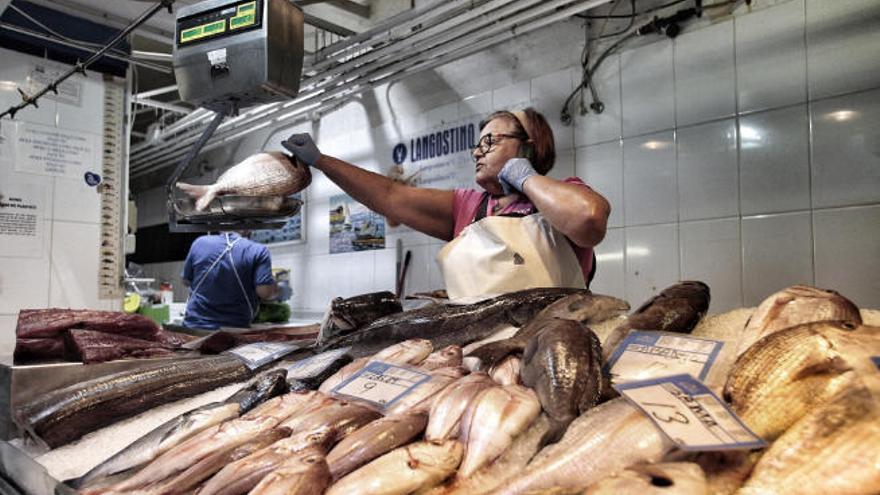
(176, 430)
(444, 325)
(347, 315)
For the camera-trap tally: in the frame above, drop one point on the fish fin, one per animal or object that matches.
(203, 194)
(493, 352)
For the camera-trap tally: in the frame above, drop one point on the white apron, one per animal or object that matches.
(502, 254)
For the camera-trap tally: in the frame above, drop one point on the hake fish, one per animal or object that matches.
(452, 324)
(444, 420)
(408, 469)
(245, 474)
(563, 364)
(68, 413)
(678, 308)
(374, 440)
(608, 438)
(495, 417)
(305, 473)
(583, 307)
(679, 478)
(784, 375)
(262, 174)
(176, 430)
(793, 306)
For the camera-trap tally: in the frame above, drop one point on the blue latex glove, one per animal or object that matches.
(514, 174)
(303, 147)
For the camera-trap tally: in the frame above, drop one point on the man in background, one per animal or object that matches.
(228, 274)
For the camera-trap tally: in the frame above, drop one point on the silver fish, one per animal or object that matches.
(407, 469)
(450, 404)
(608, 438)
(496, 416)
(262, 174)
(375, 439)
(305, 473)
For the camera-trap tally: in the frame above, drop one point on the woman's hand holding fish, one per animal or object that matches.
(303, 147)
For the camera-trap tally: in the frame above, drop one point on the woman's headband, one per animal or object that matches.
(521, 117)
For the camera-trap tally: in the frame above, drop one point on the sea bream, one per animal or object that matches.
(452, 324)
(176, 430)
(451, 403)
(305, 473)
(263, 174)
(679, 478)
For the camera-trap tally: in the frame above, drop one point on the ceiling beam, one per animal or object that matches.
(328, 26)
(346, 5)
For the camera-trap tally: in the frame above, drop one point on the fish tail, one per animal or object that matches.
(203, 194)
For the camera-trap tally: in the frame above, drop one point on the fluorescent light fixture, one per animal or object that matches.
(842, 115)
(656, 145)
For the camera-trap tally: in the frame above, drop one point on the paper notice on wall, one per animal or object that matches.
(69, 91)
(22, 210)
(7, 141)
(47, 150)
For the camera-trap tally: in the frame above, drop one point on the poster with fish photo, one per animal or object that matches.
(354, 227)
(293, 232)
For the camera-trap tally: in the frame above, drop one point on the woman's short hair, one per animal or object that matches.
(532, 126)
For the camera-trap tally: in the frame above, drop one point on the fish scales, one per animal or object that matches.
(451, 403)
(451, 324)
(66, 414)
(305, 473)
(375, 439)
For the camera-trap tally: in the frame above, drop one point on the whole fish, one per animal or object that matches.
(679, 478)
(496, 416)
(507, 371)
(347, 315)
(447, 357)
(305, 473)
(243, 475)
(608, 438)
(375, 439)
(451, 403)
(452, 324)
(784, 375)
(678, 308)
(262, 174)
(511, 463)
(833, 449)
(68, 413)
(582, 307)
(563, 364)
(793, 306)
(407, 352)
(311, 372)
(342, 417)
(224, 437)
(176, 430)
(422, 397)
(206, 467)
(726, 471)
(411, 468)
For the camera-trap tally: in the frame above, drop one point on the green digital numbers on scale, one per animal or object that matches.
(245, 16)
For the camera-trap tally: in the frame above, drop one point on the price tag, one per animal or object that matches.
(381, 384)
(690, 414)
(260, 353)
(649, 354)
(315, 365)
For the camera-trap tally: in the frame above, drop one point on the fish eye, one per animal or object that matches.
(661, 481)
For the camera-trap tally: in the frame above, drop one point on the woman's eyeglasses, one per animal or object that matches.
(486, 142)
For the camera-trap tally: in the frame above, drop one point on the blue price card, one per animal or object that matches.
(381, 384)
(690, 414)
(650, 354)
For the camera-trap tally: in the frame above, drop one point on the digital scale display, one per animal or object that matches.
(227, 20)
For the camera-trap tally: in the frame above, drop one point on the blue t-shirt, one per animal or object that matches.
(218, 299)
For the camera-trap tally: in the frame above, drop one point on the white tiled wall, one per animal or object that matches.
(743, 153)
(63, 272)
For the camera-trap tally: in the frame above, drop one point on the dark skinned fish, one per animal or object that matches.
(583, 307)
(347, 315)
(66, 414)
(452, 324)
(176, 430)
(310, 373)
(678, 308)
(563, 364)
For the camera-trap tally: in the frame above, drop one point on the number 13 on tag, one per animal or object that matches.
(690, 414)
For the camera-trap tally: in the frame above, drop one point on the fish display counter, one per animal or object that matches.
(507, 395)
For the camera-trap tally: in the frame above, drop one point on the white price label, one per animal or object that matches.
(314, 365)
(690, 414)
(381, 383)
(648, 354)
(260, 353)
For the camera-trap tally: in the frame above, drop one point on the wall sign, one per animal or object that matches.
(22, 213)
(47, 150)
